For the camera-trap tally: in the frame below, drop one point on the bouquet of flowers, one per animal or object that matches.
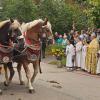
(58, 51)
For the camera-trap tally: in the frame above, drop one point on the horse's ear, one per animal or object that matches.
(11, 20)
(45, 21)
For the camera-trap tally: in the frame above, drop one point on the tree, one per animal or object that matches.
(62, 15)
(95, 11)
(37, 1)
(24, 10)
(92, 9)
(59, 14)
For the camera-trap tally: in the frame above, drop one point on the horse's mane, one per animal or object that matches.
(34, 23)
(15, 24)
(3, 23)
(6, 30)
(29, 25)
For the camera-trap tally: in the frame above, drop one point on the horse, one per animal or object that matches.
(32, 33)
(7, 29)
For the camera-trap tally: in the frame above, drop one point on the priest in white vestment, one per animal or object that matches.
(83, 57)
(78, 52)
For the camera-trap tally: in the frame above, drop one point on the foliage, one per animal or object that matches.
(92, 10)
(62, 15)
(20, 9)
(79, 17)
(95, 11)
(58, 13)
(85, 13)
(37, 1)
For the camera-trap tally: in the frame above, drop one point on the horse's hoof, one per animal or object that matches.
(0, 92)
(31, 91)
(5, 84)
(22, 83)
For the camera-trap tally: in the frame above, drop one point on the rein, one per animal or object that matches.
(5, 46)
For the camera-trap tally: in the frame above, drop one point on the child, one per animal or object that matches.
(70, 53)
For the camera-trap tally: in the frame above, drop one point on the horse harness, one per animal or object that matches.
(5, 54)
(30, 52)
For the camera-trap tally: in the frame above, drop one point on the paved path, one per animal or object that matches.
(55, 84)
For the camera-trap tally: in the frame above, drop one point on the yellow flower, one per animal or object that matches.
(53, 50)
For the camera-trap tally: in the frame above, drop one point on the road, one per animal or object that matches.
(54, 84)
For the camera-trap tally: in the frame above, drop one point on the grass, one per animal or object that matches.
(63, 61)
(53, 63)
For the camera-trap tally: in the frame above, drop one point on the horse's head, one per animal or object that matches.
(47, 28)
(34, 30)
(8, 29)
(15, 29)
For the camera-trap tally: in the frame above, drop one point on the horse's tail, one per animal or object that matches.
(40, 66)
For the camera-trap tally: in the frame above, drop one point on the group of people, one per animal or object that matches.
(82, 50)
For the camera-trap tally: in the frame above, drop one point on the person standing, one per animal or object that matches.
(70, 53)
(64, 42)
(98, 64)
(98, 54)
(91, 57)
(56, 37)
(60, 40)
(43, 44)
(84, 50)
(78, 52)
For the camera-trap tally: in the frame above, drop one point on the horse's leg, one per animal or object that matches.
(11, 69)
(28, 75)
(19, 73)
(0, 92)
(35, 66)
(0, 69)
(6, 75)
(40, 65)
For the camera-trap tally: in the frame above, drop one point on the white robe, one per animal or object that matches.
(70, 52)
(78, 54)
(83, 57)
(98, 65)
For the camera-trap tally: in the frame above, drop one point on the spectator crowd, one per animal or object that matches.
(82, 49)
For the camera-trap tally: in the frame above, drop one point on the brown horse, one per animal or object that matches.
(32, 32)
(7, 29)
